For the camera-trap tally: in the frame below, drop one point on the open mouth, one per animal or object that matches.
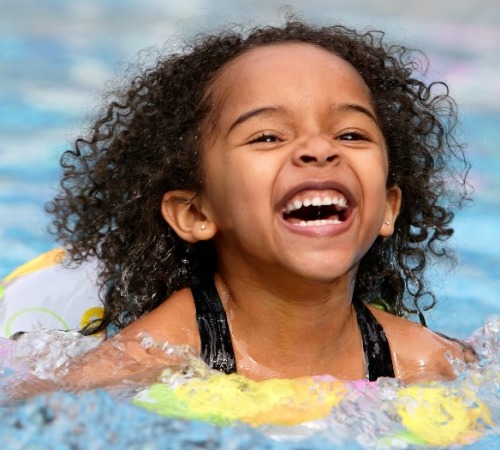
(316, 210)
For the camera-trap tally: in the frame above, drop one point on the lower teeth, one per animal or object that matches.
(316, 223)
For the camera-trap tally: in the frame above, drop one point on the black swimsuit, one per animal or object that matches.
(217, 347)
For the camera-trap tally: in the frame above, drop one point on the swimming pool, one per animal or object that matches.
(55, 58)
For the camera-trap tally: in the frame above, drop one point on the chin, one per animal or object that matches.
(325, 273)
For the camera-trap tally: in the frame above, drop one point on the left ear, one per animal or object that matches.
(392, 206)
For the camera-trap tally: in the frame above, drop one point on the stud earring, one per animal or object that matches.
(203, 227)
(387, 222)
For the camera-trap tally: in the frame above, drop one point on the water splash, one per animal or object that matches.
(370, 415)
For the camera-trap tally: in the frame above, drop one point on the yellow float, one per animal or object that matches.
(430, 414)
(442, 416)
(46, 293)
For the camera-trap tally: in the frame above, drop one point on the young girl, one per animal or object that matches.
(270, 199)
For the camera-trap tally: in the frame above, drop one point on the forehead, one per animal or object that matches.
(285, 69)
(278, 54)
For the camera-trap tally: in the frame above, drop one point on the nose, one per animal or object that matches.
(316, 150)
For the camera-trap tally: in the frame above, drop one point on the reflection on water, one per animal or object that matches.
(284, 414)
(55, 58)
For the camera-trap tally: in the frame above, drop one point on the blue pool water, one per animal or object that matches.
(366, 416)
(56, 56)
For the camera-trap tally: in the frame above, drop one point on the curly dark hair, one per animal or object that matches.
(147, 142)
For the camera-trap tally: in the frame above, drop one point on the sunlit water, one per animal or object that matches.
(366, 417)
(56, 55)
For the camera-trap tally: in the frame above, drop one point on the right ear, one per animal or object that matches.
(181, 209)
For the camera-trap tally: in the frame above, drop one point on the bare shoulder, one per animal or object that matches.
(418, 353)
(124, 358)
(174, 321)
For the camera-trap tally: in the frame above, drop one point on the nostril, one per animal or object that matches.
(312, 159)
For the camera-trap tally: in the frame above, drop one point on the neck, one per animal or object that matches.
(290, 328)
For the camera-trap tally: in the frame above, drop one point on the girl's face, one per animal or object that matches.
(295, 165)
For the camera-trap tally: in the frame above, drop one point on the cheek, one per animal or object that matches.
(228, 192)
(376, 169)
(374, 174)
(214, 186)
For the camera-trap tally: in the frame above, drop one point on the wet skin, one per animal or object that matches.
(292, 127)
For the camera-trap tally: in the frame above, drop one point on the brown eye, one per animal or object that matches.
(353, 136)
(265, 138)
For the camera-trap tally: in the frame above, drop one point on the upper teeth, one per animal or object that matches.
(315, 201)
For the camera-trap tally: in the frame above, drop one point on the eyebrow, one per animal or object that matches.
(253, 113)
(347, 107)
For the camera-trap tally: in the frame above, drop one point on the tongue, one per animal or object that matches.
(307, 213)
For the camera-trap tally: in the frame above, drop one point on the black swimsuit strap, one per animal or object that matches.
(217, 348)
(216, 345)
(376, 348)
